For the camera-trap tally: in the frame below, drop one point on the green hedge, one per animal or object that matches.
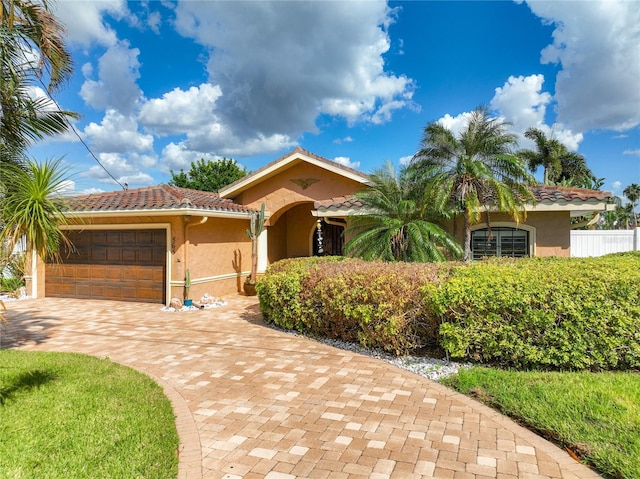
(374, 303)
(550, 313)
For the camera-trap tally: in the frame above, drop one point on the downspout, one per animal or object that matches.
(187, 243)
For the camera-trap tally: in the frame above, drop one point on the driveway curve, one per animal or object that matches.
(252, 402)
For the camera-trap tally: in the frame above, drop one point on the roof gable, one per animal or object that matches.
(298, 155)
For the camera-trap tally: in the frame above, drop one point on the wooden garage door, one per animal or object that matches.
(123, 265)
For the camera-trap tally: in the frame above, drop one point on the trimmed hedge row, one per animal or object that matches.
(550, 313)
(374, 303)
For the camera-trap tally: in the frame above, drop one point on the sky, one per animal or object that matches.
(161, 84)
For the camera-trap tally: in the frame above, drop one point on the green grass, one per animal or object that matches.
(596, 415)
(71, 415)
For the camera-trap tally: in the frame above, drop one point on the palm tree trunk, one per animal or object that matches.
(467, 238)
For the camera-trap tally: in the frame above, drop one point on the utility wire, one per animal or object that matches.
(73, 128)
(75, 131)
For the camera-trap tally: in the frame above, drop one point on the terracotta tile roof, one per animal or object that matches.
(546, 193)
(162, 197)
(337, 203)
(542, 193)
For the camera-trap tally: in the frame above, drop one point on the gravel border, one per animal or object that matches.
(431, 368)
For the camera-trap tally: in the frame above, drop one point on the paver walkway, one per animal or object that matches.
(253, 402)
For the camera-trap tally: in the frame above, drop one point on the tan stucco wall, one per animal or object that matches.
(277, 240)
(290, 206)
(552, 234)
(219, 247)
(279, 192)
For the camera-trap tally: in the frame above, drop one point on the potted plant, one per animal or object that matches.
(187, 286)
(256, 225)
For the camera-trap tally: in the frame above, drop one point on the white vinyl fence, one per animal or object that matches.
(600, 242)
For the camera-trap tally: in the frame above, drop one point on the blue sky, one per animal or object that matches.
(160, 84)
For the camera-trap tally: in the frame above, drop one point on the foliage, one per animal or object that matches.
(10, 284)
(209, 175)
(551, 313)
(31, 47)
(596, 415)
(560, 166)
(377, 304)
(71, 415)
(256, 225)
(621, 218)
(398, 225)
(474, 171)
(632, 192)
(32, 207)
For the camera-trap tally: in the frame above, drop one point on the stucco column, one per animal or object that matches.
(263, 255)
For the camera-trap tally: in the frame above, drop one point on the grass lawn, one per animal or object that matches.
(71, 415)
(596, 415)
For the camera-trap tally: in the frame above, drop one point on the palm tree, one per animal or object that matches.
(560, 165)
(31, 206)
(473, 171)
(28, 29)
(398, 223)
(632, 192)
(547, 154)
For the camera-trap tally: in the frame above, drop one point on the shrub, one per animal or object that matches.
(552, 313)
(374, 303)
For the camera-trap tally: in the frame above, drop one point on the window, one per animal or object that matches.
(505, 241)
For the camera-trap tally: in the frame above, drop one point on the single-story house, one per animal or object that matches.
(137, 244)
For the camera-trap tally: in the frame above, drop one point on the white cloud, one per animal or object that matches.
(346, 161)
(631, 152)
(117, 134)
(405, 160)
(84, 20)
(346, 139)
(596, 43)
(309, 58)
(616, 185)
(522, 102)
(118, 70)
(127, 169)
(181, 111)
(177, 156)
(455, 123)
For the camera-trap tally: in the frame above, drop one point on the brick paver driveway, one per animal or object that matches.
(252, 402)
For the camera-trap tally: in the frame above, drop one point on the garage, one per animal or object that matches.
(121, 265)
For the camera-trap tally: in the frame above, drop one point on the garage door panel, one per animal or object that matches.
(81, 273)
(127, 265)
(129, 255)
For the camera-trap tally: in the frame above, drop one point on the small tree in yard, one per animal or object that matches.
(209, 175)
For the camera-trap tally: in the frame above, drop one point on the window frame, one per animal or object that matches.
(511, 225)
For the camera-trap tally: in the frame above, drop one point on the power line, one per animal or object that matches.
(75, 131)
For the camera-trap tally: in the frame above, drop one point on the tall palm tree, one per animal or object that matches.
(31, 48)
(547, 154)
(560, 165)
(398, 225)
(474, 171)
(632, 192)
(31, 206)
